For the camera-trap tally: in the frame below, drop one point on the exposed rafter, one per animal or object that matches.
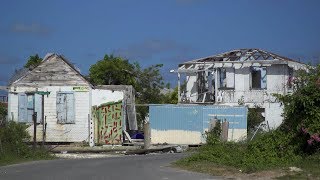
(242, 55)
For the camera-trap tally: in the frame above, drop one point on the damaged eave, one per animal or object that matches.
(234, 64)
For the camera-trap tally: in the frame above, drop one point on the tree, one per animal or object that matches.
(171, 97)
(119, 71)
(3, 113)
(33, 62)
(113, 71)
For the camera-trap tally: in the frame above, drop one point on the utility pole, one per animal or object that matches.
(147, 135)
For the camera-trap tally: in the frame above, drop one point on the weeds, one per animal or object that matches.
(267, 151)
(13, 147)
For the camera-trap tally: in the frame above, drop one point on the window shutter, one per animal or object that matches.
(65, 107)
(23, 103)
(61, 113)
(70, 108)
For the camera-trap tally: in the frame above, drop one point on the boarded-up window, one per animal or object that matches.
(65, 107)
(28, 104)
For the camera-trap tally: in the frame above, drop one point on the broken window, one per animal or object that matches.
(226, 78)
(258, 78)
(65, 108)
(28, 104)
(202, 85)
(205, 85)
(256, 116)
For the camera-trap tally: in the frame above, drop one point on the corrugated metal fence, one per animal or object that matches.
(186, 124)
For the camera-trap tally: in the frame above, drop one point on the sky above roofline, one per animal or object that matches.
(152, 32)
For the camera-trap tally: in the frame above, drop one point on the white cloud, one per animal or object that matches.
(33, 28)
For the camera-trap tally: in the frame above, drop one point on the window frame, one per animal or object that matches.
(71, 120)
(252, 69)
(225, 71)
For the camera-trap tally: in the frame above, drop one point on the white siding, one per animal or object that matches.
(242, 79)
(100, 96)
(191, 87)
(77, 132)
(273, 113)
(13, 106)
(276, 78)
(230, 77)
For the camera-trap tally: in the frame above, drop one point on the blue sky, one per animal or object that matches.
(152, 32)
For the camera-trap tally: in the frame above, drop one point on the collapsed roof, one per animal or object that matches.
(244, 56)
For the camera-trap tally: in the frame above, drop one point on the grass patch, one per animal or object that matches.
(267, 151)
(310, 168)
(232, 163)
(269, 155)
(38, 154)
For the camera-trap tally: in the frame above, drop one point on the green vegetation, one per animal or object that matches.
(147, 82)
(13, 147)
(213, 137)
(171, 97)
(295, 143)
(33, 61)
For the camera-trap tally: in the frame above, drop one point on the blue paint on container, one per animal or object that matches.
(195, 117)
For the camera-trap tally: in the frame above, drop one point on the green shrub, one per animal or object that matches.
(267, 150)
(302, 111)
(3, 113)
(12, 137)
(13, 146)
(214, 136)
(254, 119)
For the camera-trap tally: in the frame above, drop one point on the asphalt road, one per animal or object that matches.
(143, 167)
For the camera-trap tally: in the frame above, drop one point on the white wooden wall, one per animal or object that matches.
(100, 96)
(76, 132)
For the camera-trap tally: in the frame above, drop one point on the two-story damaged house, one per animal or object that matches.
(243, 76)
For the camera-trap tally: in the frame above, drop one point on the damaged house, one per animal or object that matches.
(68, 107)
(239, 77)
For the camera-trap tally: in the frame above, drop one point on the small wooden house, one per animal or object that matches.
(59, 94)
